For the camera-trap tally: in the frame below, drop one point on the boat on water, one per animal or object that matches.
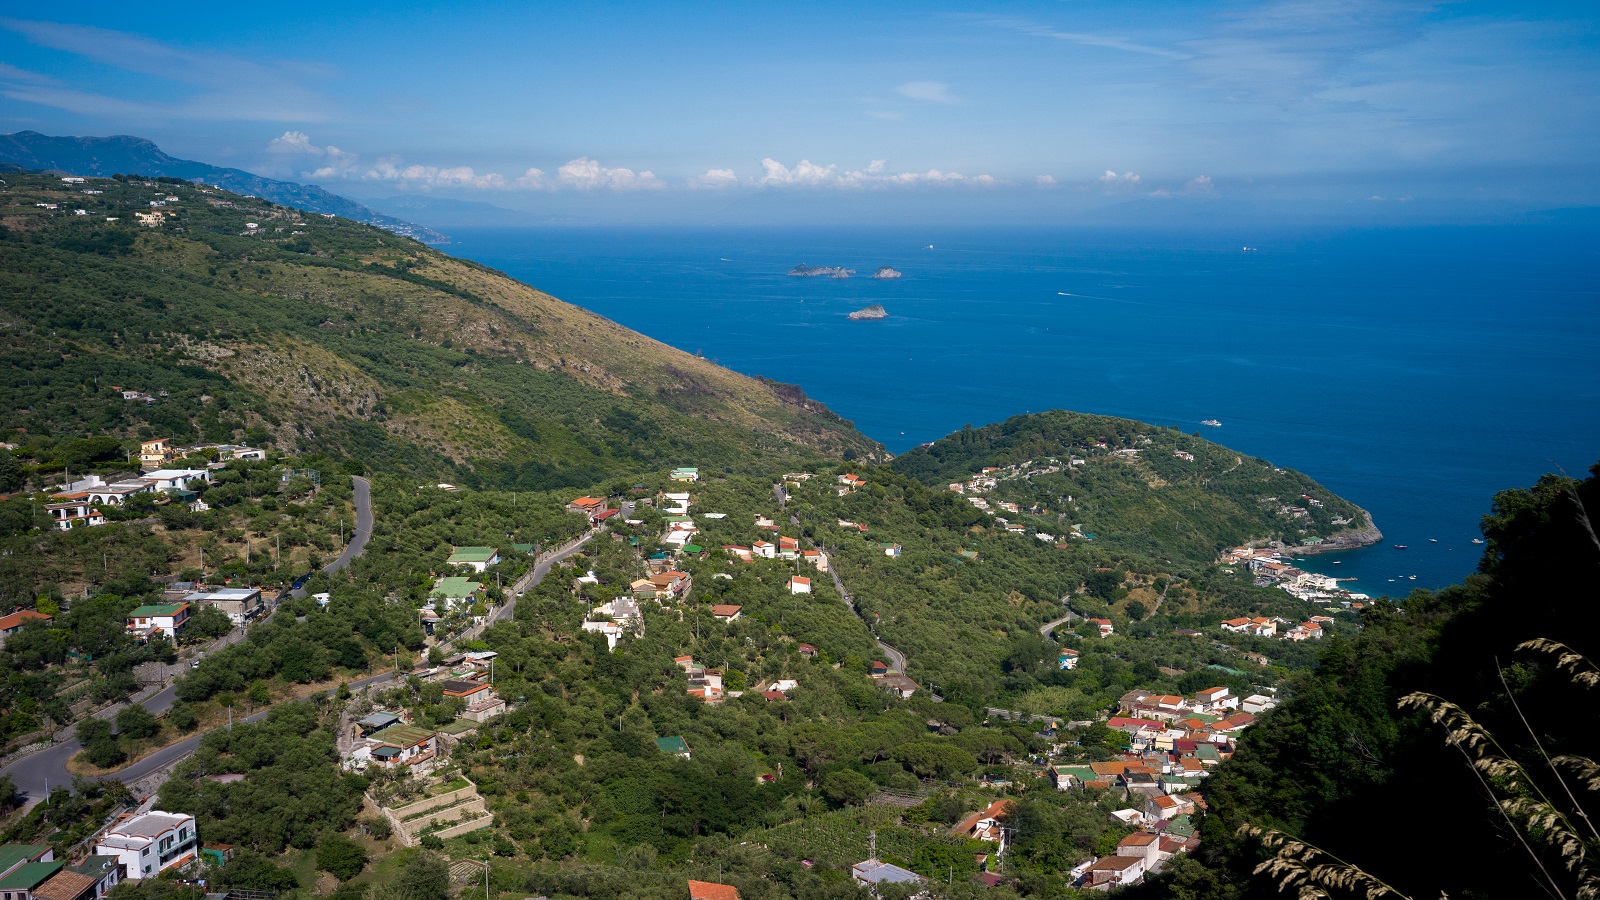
(1399, 546)
(1212, 422)
(1413, 578)
(1477, 540)
(1433, 540)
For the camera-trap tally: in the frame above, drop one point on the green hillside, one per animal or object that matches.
(320, 335)
(1140, 488)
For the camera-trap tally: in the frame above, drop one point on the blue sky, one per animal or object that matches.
(756, 112)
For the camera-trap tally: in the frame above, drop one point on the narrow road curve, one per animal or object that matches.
(34, 772)
(361, 488)
(1048, 628)
(897, 660)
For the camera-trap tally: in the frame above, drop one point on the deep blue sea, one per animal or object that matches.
(1414, 371)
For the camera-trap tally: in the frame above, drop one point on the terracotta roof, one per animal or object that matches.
(65, 885)
(1137, 840)
(20, 616)
(710, 890)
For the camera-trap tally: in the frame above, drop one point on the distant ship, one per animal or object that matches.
(1249, 249)
(1399, 546)
(1433, 540)
(1212, 422)
(1477, 540)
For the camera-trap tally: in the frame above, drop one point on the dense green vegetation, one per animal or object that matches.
(1319, 765)
(1150, 500)
(362, 352)
(326, 336)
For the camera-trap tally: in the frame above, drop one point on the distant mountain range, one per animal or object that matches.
(128, 155)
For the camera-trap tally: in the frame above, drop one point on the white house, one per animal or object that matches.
(799, 585)
(1068, 659)
(150, 843)
(177, 479)
(240, 604)
(764, 550)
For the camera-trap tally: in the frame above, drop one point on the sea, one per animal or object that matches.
(1415, 371)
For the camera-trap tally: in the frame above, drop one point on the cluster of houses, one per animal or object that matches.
(80, 503)
(1261, 626)
(1174, 743)
(167, 620)
(1269, 568)
(990, 477)
(135, 846)
(390, 740)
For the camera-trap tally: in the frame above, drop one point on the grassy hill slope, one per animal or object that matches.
(319, 334)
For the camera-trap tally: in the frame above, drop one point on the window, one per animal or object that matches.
(145, 852)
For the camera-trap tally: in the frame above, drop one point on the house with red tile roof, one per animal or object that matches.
(13, 623)
(710, 890)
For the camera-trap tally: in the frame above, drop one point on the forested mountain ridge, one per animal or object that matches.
(319, 334)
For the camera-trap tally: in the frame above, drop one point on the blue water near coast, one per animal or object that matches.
(1414, 371)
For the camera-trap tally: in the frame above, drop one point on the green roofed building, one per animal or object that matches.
(677, 746)
(477, 558)
(524, 549)
(685, 473)
(158, 620)
(456, 590)
(404, 745)
(22, 880)
(1181, 827)
(14, 855)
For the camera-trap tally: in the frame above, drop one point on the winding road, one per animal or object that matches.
(33, 773)
(897, 660)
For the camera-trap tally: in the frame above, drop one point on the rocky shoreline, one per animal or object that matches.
(875, 311)
(1349, 539)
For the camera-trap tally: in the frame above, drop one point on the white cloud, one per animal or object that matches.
(716, 178)
(292, 142)
(532, 179)
(392, 169)
(927, 91)
(1200, 185)
(876, 175)
(335, 163)
(1111, 181)
(804, 173)
(1045, 181)
(586, 174)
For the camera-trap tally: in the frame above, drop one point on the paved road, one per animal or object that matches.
(1047, 628)
(33, 772)
(362, 489)
(539, 571)
(897, 660)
